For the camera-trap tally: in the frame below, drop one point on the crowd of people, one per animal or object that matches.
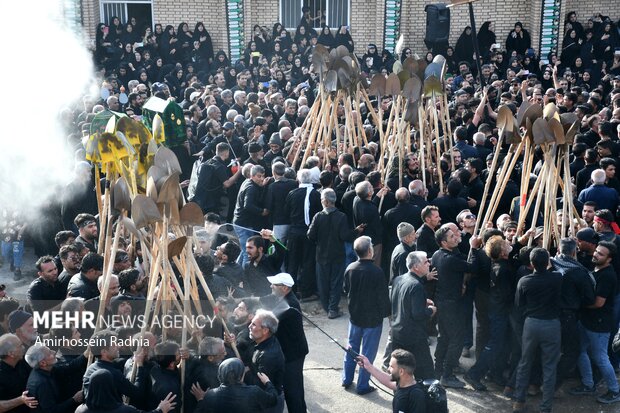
(308, 232)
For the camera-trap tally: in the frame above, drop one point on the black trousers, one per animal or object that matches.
(570, 345)
(417, 344)
(294, 386)
(451, 321)
(301, 263)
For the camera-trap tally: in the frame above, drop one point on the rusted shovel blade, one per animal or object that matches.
(144, 211)
(121, 197)
(540, 131)
(392, 85)
(176, 246)
(191, 214)
(331, 81)
(377, 85)
(167, 160)
(557, 131)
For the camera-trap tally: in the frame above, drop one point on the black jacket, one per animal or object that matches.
(450, 207)
(166, 381)
(248, 212)
(398, 262)
(42, 295)
(123, 386)
(577, 284)
(80, 286)
(238, 398)
(365, 212)
(274, 200)
(402, 212)
(409, 310)
(268, 359)
(256, 273)
(425, 240)
(290, 334)
(42, 386)
(13, 382)
(330, 230)
(367, 290)
(294, 204)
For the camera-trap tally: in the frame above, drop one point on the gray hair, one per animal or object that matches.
(230, 115)
(363, 189)
(268, 320)
(246, 171)
(72, 304)
(329, 195)
(278, 168)
(230, 371)
(312, 161)
(101, 279)
(35, 355)
(290, 102)
(402, 194)
(211, 110)
(303, 111)
(304, 176)
(238, 94)
(416, 187)
(598, 176)
(226, 93)
(363, 246)
(479, 138)
(132, 84)
(345, 171)
(415, 257)
(210, 346)
(8, 343)
(257, 169)
(568, 246)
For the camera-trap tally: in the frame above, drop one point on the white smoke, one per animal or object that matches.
(45, 69)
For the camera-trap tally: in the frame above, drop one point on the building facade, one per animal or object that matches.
(231, 22)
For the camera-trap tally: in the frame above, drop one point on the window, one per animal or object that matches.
(142, 10)
(334, 13)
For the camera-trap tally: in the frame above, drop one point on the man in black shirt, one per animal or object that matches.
(587, 239)
(261, 265)
(87, 227)
(425, 239)
(249, 211)
(577, 292)
(46, 291)
(365, 212)
(369, 304)
(597, 323)
(14, 373)
(451, 267)
(409, 394)
(277, 192)
(538, 295)
(404, 211)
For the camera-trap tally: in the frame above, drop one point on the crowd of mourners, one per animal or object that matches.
(279, 232)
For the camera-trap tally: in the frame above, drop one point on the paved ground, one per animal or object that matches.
(323, 370)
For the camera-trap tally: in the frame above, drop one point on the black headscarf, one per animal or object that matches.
(485, 38)
(464, 49)
(102, 394)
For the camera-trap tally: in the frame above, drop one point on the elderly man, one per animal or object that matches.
(21, 324)
(411, 311)
(404, 211)
(605, 198)
(302, 204)
(365, 213)
(14, 372)
(369, 304)
(234, 396)
(43, 384)
(268, 357)
(330, 230)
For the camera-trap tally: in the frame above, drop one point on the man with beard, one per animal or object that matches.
(84, 283)
(87, 228)
(46, 291)
(241, 318)
(587, 212)
(203, 372)
(21, 324)
(71, 264)
(409, 396)
(226, 254)
(261, 265)
(14, 371)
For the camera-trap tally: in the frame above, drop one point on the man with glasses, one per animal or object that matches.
(411, 311)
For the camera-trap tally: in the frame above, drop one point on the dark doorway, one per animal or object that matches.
(142, 13)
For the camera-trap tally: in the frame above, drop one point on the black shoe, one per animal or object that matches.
(346, 385)
(370, 389)
(12, 268)
(609, 398)
(452, 382)
(582, 390)
(309, 298)
(334, 314)
(17, 275)
(476, 384)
